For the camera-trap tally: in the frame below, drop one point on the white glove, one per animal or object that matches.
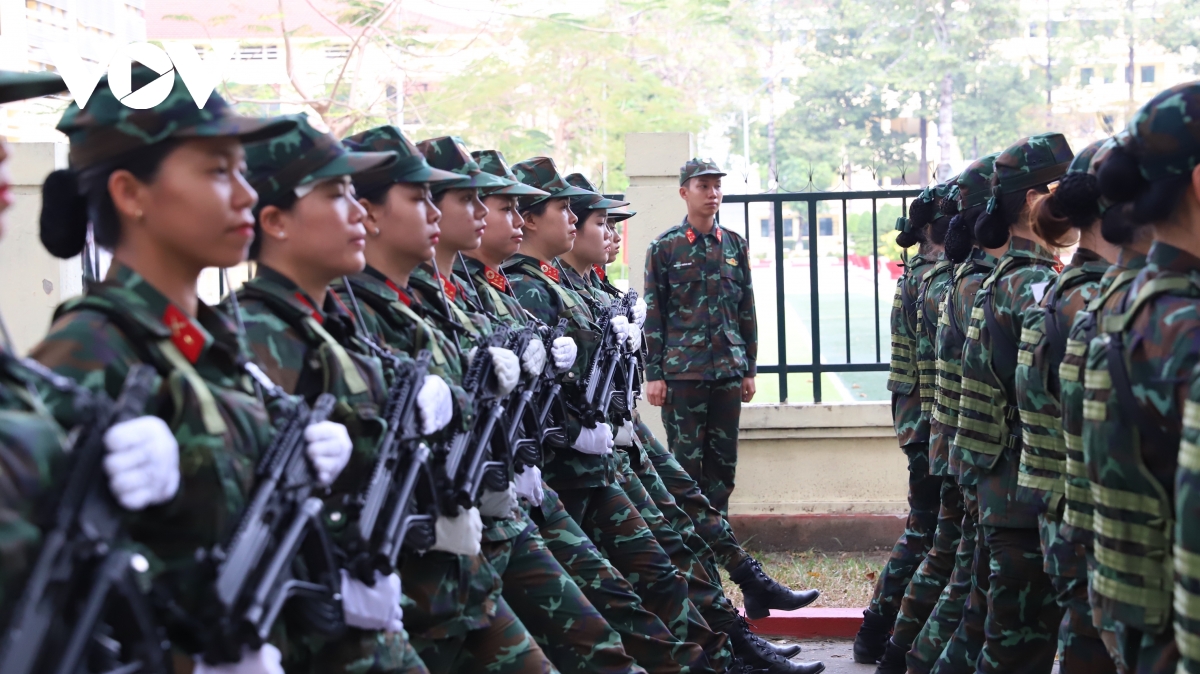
(597, 441)
(533, 361)
(266, 660)
(459, 535)
(639, 312)
(142, 462)
(499, 503)
(435, 404)
(373, 608)
(529, 485)
(624, 435)
(564, 351)
(328, 449)
(620, 327)
(635, 339)
(507, 369)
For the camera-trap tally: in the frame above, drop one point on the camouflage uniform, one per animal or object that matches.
(913, 437)
(1022, 615)
(1187, 538)
(947, 640)
(702, 338)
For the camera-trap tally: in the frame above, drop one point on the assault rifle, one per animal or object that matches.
(598, 384)
(82, 609)
(629, 379)
(469, 463)
(521, 437)
(550, 406)
(388, 513)
(281, 522)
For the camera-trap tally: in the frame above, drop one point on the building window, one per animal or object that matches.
(1147, 74)
(825, 226)
(766, 227)
(258, 52)
(787, 226)
(1086, 75)
(337, 51)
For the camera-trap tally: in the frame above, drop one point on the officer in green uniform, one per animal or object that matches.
(1135, 391)
(913, 437)
(953, 634)
(169, 200)
(701, 334)
(1069, 214)
(1022, 615)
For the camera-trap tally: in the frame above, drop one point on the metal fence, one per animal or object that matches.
(810, 201)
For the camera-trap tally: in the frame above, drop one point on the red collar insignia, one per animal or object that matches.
(448, 286)
(599, 271)
(549, 271)
(717, 231)
(495, 279)
(312, 311)
(1058, 265)
(184, 334)
(691, 235)
(403, 295)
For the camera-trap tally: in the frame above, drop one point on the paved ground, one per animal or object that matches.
(836, 654)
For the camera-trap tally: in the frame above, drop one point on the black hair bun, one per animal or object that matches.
(1120, 179)
(958, 239)
(990, 229)
(920, 212)
(906, 239)
(1077, 197)
(64, 219)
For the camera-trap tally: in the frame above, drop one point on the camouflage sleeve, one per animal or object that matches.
(1187, 535)
(87, 348)
(747, 318)
(657, 293)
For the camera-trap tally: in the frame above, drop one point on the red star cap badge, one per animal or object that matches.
(495, 279)
(550, 271)
(184, 334)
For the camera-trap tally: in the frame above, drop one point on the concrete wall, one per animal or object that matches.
(32, 282)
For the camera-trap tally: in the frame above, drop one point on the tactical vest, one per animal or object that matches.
(1187, 540)
(950, 340)
(1041, 474)
(926, 334)
(1077, 514)
(1133, 517)
(902, 375)
(572, 307)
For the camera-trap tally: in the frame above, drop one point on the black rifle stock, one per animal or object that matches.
(253, 575)
(520, 436)
(468, 464)
(82, 575)
(550, 407)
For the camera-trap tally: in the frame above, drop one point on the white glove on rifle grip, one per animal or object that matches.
(564, 351)
(459, 535)
(328, 449)
(533, 361)
(635, 339)
(498, 503)
(624, 435)
(372, 608)
(435, 404)
(142, 462)
(507, 369)
(596, 441)
(620, 327)
(528, 484)
(639, 312)
(266, 660)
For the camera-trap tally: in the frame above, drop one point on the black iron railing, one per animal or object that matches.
(811, 200)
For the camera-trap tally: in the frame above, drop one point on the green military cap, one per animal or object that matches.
(1036, 160)
(696, 167)
(975, 182)
(303, 156)
(492, 161)
(15, 86)
(449, 153)
(620, 213)
(410, 165)
(1082, 163)
(1164, 134)
(595, 202)
(107, 129)
(542, 173)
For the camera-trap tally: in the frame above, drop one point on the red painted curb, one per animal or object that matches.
(808, 623)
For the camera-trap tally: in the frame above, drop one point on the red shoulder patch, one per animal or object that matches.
(550, 271)
(495, 279)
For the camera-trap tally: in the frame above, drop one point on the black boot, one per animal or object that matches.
(761, 593)
(762, 658)
(784, 650)
(872, 638)
(893, 661)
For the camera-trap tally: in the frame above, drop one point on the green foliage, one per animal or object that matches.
(859, 226)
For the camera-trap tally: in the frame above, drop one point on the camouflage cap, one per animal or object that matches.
(542, 173)
(410, 165)
(449, 153)
(1082, 163)
(304, 155)
(492, 161)
(595, 202)
(1036, 160)
(15, 86)
(975, 182)
(930, 193)
(1164, 134)
(698, 167)
(107, 129)
(616, 215)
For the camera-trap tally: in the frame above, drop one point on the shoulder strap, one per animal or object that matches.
(1004, 349)
(383, 306)
(1055, 339)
